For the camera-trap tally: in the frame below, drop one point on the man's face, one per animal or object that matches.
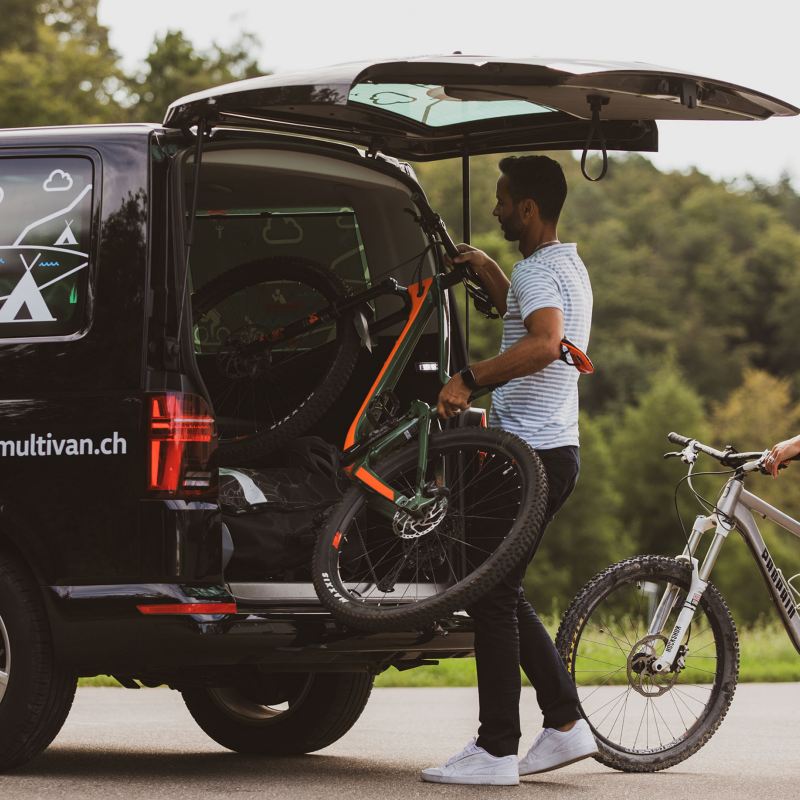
(507, 211)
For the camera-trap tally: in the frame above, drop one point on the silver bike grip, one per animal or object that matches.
(676, 438)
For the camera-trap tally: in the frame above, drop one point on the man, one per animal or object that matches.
(548, 297)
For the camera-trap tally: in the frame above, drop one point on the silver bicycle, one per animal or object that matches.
(651, 643)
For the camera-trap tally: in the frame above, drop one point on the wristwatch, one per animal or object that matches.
(468, 376)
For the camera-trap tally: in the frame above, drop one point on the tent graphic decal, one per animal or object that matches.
(26, 294)
(67, 237)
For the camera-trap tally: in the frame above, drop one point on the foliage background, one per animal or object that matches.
(696, 285)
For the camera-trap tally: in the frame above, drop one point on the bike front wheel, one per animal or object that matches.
(644, 721)
(380, 570)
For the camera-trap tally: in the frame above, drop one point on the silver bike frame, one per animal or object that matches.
(733, 510)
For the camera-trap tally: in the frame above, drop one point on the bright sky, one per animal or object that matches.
(754, 44)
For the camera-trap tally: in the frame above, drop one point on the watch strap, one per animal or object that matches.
(468, 376)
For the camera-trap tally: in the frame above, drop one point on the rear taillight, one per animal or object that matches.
(182, 437)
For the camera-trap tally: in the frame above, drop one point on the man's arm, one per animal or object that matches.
(533, 352)
(489, 272)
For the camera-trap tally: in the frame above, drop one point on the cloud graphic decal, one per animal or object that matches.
(58, 181)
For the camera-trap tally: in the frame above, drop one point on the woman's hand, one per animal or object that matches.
(780, 453)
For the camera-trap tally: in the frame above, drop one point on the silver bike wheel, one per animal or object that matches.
(645, 721)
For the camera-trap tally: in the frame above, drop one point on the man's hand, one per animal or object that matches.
(453, 398)
(489, 273)
(477, 259)
(780, 453)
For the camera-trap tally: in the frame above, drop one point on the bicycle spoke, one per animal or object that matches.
(589, 658)
(666, 725)
(677, 708)
(603, 683)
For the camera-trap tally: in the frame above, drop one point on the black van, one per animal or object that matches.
(114, 558)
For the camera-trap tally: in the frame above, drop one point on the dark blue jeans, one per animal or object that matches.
(509, 634)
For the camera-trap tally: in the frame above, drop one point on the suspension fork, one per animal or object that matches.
(721, 522)
(670, 596)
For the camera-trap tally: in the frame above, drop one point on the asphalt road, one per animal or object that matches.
(127, 744)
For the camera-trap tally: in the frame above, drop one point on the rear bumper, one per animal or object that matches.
(98, 630)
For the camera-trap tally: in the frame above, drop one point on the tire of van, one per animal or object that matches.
(281, 715)
(35, 693)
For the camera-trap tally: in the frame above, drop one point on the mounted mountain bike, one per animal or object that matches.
(651, 643)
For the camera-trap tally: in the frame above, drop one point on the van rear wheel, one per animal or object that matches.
(35, 693)
(281, 713)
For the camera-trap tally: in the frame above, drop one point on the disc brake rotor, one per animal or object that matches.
(407, 527)
(641, 677)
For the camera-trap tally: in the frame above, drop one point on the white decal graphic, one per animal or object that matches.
(26, 293)
(33, 266)
(68, 237)
(2, 194)
(49, 445)
(59, 181)
(292, 232)
(61, 212)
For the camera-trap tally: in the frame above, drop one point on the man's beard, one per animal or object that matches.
(510, 232)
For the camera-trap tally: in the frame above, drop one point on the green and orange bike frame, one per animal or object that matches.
(367, 441)
(370, 436)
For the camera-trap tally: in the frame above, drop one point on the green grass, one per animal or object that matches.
(767, 655)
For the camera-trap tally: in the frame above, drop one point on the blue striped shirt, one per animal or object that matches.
(542, 408)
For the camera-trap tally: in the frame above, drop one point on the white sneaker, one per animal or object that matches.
(474, 765)
(553, 748)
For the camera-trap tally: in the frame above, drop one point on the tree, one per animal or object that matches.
(174, 68)
(19, 25)
(60, 68)
(642, 477)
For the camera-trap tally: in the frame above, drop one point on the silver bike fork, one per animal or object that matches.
(696, 589)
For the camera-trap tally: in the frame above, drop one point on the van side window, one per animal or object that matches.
(45, 220)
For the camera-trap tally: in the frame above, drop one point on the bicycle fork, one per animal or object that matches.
(722, 526)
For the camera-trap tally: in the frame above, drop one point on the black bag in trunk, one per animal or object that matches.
(273, 513)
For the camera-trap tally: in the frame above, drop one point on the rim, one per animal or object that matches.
(629, 709)
(246, 708)
(5, 659)
(388, 562)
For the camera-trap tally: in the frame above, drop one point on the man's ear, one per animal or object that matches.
(530, 208)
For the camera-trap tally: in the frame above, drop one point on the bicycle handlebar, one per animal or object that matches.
(720, 455)
(728, 457)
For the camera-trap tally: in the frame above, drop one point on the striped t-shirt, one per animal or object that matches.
(542, 408)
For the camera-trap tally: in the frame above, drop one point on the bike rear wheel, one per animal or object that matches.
(645, 722)
(378, 573)
(267, 393)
